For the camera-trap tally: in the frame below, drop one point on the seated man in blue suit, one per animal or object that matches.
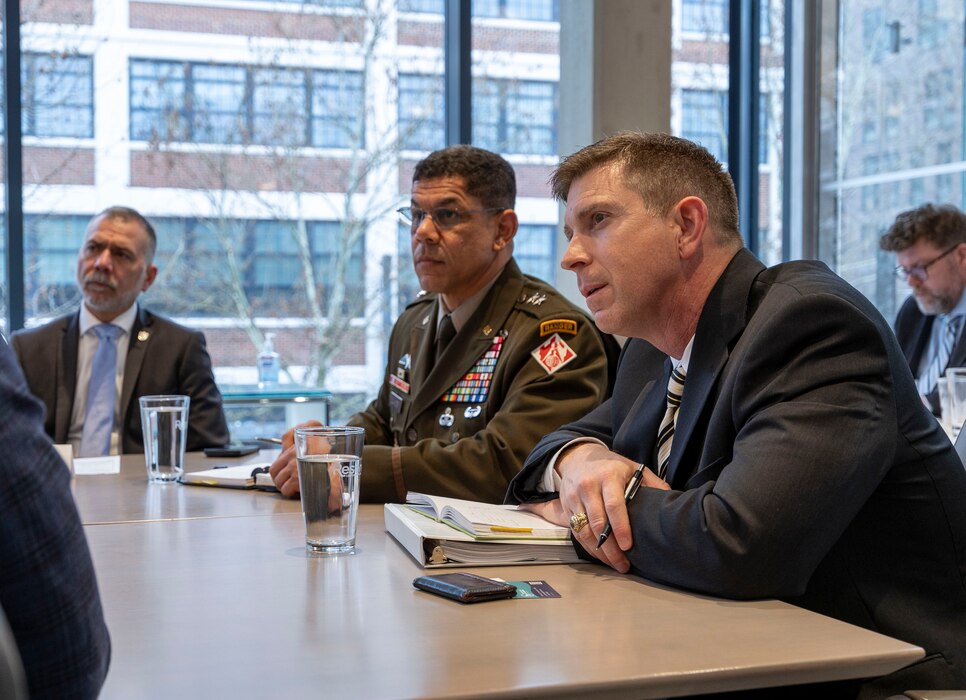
(784, 448)
(147, 354)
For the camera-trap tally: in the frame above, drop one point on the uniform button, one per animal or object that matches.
(455, 437)
(411, 435)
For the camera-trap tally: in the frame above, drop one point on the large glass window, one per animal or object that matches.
(704, 16)
(892, 130)
(270, 148)
(700, 77)
(511, 116)
(223, 104)
(57, 95)
(704, 119)
(421, 113)
(534, 249)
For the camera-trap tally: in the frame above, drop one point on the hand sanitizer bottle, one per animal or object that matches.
(268, 363)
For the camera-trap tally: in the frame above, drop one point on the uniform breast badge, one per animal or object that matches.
(446, 419)
(474, 386)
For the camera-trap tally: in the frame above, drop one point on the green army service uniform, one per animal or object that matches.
(526, 362)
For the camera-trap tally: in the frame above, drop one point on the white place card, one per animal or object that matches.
(97, 465)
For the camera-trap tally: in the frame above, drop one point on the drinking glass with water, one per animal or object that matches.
(329, 466)
(164, 425)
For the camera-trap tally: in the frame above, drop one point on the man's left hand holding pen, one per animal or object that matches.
(593, 481)
(284, 469)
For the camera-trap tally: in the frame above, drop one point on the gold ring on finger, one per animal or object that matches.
(578, 521)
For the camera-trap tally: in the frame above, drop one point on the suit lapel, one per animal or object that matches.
(636, 438)
(723, 318)
(137, 347)
(958, 356)
(920, 341)
(67, 382)
(421, 353)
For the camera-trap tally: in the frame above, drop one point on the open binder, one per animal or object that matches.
(436, 545)
(243, 476)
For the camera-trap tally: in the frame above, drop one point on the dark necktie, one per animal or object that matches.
(665, 434)
(444, 334)
(101, 392)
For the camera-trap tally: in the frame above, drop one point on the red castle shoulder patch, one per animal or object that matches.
(553, 353)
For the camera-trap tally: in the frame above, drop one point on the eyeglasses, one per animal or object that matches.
(919, 272)
(444, 217)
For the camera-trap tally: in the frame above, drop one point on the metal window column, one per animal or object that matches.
(457, 43)
(13, 166)
(743, 112)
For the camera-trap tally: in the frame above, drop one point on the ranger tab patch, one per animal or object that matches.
(553, 353)
(558, 325)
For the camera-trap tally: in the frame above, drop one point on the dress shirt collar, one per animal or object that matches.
(960, 308)
(685, 358)
(125, 321)
(461, 314)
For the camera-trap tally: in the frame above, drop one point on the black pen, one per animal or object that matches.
(274, 441)
(629, 492)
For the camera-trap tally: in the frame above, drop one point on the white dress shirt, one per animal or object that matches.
(86, 348)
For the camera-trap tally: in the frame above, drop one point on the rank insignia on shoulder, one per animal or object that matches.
(536, 298)
(558, 325)
(553, 354)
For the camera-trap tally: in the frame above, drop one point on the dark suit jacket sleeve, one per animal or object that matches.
(638, 360)
(47, 585)
(207, 424)
(801, 433)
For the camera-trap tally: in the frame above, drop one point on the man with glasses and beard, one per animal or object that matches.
(90, 367)
(484, 362)
(929, 245)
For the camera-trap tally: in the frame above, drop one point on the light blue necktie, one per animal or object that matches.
(96, 438)
(950, 332)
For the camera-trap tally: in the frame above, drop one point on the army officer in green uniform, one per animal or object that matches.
(485, 362)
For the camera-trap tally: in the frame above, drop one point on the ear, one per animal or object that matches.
(690, 216)
(960, 254)
(507, 229)
(152, 272)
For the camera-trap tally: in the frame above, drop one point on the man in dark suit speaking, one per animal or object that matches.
(90, 367)
(788, 454)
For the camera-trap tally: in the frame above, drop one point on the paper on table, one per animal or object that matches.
(486, 520)
(66, 453)
(97, 465)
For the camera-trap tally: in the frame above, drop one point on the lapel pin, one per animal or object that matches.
(143, 335)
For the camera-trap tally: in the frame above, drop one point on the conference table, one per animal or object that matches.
(209, 592)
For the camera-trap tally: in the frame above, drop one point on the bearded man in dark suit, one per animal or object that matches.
(153, 354)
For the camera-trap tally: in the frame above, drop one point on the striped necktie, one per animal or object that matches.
(950, 333)
(665, 435)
